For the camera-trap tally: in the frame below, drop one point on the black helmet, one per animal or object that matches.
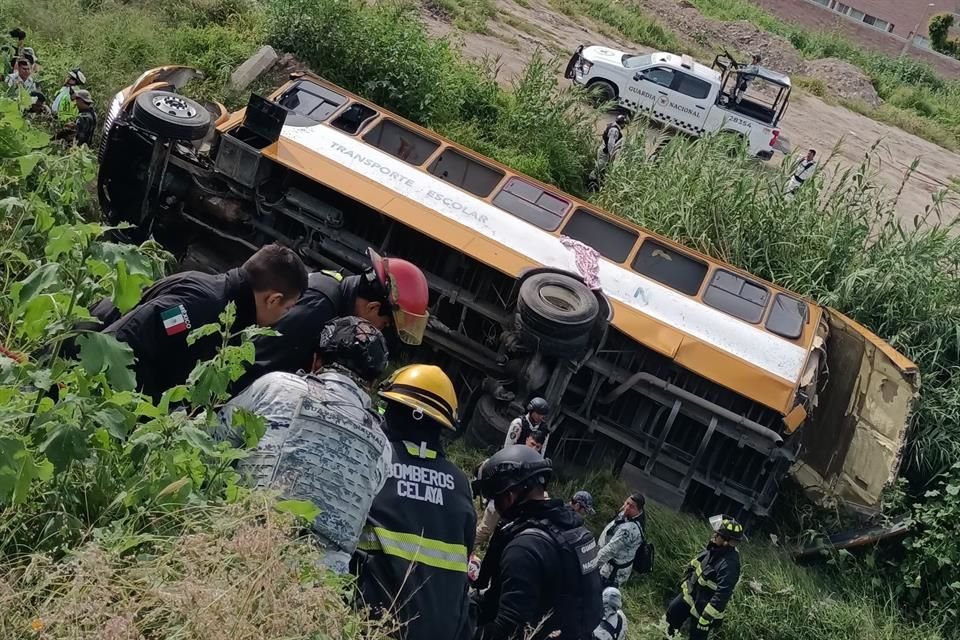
(354, 344)
(511, 467)
(621, 119)
(538, 405)
(727, 527)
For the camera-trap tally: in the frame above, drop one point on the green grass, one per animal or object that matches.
(927, 105)
(815, 86)
(908, 120)
(628, 21)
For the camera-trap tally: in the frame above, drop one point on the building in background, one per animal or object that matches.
(904, 18)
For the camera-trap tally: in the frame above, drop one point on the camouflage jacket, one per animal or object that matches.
(618, 545)
(325, 444)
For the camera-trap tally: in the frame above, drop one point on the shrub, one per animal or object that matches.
(939, 31)
(535, 127)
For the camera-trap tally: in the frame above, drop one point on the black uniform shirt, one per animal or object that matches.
(157, 328)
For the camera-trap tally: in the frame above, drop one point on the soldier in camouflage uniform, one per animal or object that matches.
(620, 541)
(324, 441)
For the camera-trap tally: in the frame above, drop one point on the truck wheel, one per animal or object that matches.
(602, 92)
(486, 429)
(170, 115)
(557, 306)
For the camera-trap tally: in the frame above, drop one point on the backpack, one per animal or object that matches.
(643, 559)
(614, 631)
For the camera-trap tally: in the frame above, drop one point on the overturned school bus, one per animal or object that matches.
(697, 382)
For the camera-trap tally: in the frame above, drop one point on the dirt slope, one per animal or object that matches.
(520, 30)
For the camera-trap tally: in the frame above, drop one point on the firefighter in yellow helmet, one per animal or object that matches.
(412, 556)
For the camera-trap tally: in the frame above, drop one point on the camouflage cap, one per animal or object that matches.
(585, 499)
(356, 345)
(83, 94)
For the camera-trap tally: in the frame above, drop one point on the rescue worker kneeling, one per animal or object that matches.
(541, 566)
(709, 582)
(412, 558)
(324, 442)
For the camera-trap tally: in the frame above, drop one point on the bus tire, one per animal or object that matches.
(557, 306)
(170, 115)
(483, 430)
(566, 348)
(602, 92)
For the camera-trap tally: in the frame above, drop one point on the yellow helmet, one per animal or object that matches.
(426, 388)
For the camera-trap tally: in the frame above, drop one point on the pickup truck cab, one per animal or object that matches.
(683, 94)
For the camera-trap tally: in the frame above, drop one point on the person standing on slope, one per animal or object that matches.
(613, 626)
(620, 541)
(708, 583)
(539, 578)
(412, 556)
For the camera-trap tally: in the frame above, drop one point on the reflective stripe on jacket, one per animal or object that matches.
(417, 541)
(710, 581)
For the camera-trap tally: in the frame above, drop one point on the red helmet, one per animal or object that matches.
(407, 294)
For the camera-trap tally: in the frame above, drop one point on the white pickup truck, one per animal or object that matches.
(687, 96)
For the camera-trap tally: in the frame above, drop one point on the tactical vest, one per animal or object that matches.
(578, 608)
(416, 544)
(526, 428)
(330, 455)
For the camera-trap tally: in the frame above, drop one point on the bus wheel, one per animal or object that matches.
(486, 429)
(557, 306)
(170, 115)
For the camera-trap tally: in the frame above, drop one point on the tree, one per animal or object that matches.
(939, 30)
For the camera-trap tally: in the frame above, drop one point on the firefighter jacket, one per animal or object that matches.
(542, 574)
(328, 295)
(416, 544)
(157, 328)
(324, 443)
(619, 542)
(709, 582)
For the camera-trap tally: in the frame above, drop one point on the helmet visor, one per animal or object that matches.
(410, 327)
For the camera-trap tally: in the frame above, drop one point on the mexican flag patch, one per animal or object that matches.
(175, 320)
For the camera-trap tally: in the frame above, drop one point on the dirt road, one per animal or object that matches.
(518, 31)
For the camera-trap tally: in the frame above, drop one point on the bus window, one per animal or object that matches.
(532, 204)
(401, 143)
(310, 101)
(787, 316)
(737, 296)
(465, 172)
(611, 240)
(353, 118)
(670, 267)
